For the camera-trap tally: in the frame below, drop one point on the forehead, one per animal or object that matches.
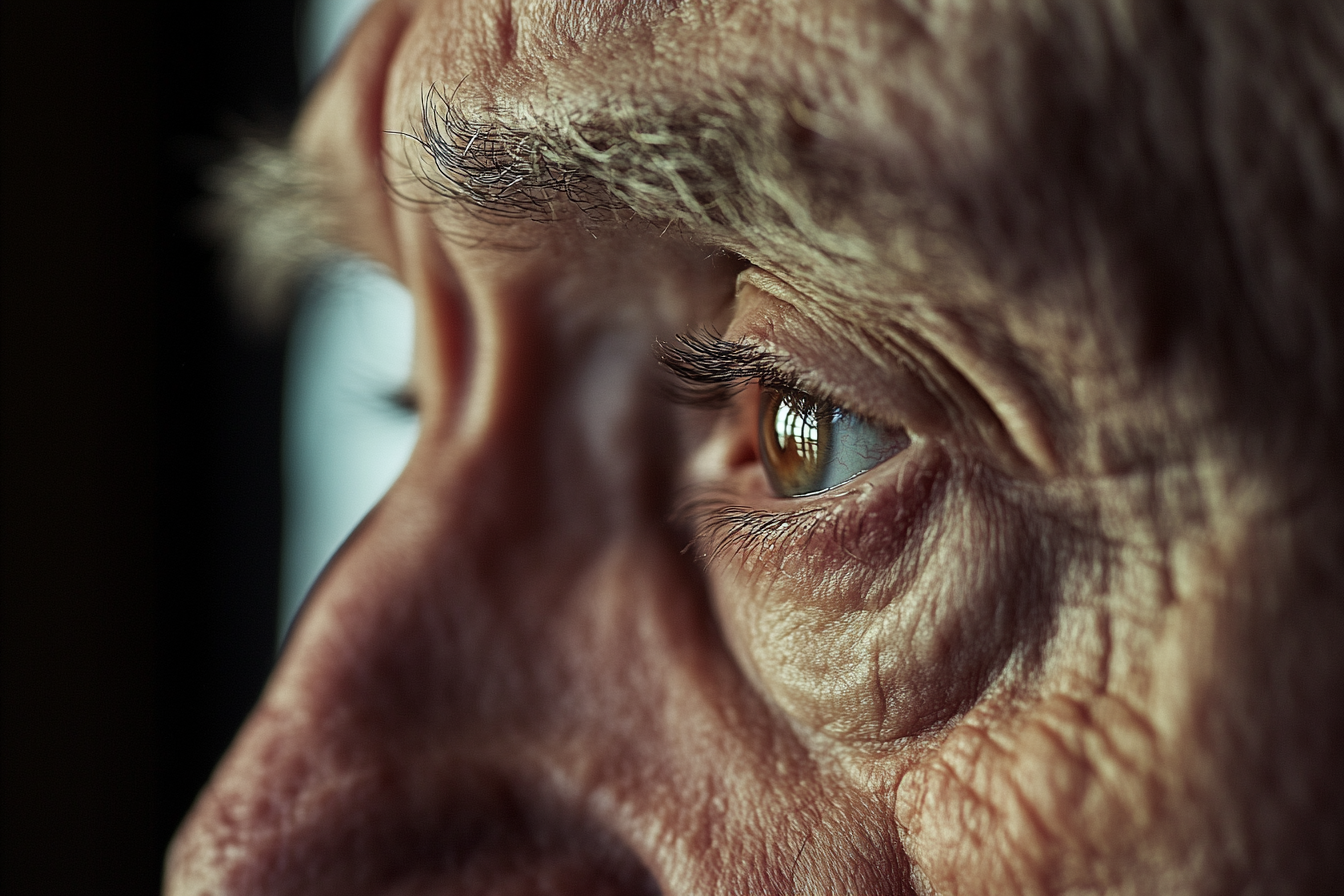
(576, 51)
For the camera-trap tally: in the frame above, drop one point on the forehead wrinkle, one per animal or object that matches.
(582, 22)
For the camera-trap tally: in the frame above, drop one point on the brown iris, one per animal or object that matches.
(808, 445)
(795, 438)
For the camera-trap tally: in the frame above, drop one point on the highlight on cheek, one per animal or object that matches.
(808, 445)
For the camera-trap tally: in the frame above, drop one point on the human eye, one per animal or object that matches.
(801, 458)
(806, 443)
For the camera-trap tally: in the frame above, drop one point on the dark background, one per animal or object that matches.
(140, 430)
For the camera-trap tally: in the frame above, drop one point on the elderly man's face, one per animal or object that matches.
(981, 566)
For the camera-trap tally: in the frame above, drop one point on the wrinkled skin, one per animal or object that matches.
(1073, 639)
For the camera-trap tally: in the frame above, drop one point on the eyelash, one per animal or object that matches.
(722, 526)
(709, 372)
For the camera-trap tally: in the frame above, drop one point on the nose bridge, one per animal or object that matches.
(453, 596)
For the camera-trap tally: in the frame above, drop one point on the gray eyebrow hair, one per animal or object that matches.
(721, 165)
(504, 170)
(726, 169)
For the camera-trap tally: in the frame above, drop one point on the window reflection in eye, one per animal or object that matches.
(808, 445)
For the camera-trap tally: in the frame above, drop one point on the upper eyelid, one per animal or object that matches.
(709, 370)
(941, 380)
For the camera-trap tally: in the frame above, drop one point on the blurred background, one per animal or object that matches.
(143, 442)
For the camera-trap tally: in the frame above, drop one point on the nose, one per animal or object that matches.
(444, 709)
(462, 703)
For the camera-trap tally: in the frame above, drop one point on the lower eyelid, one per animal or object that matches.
(869, 520)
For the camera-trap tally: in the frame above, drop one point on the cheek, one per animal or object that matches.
(868, 631)
(1057, 801)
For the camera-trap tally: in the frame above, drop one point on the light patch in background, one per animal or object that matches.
(350, 349)
(326, 26)
(345, 438)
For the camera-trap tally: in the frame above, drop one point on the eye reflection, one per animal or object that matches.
(808, 445)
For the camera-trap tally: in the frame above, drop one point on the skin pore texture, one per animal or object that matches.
(1078, 635)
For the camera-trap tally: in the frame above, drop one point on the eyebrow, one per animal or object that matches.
(274, 222)
(734, 167)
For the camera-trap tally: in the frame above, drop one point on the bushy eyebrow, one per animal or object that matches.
(722, 165)
(500, 168)
(275, 222)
